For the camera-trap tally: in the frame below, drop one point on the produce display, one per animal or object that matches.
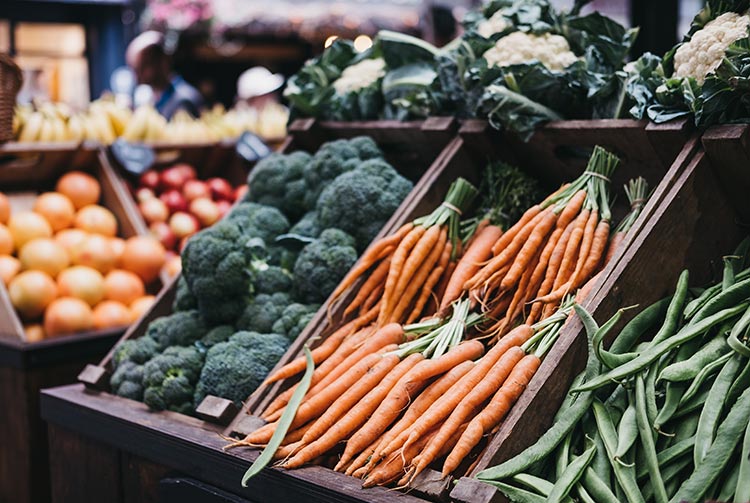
(519, 64)
(104, 121)
(176, 204)
(449, 319)
(64, 266)
(252, 282)
(662, 415)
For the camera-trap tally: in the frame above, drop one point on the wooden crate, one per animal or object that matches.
(546, 157)
(27, 367)
(693, 226)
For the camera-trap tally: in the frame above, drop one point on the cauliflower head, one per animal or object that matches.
(705, 50)
(360, 75)
(551, 50)
(495, 24)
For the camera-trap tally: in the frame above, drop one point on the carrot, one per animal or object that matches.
(494, 412)
(373, 298)
(369, 258)
(571, 209)
(375, 279)
(445, 449)
(444, 279)
(587, 287)
(571, 250)
(432, 280)
(358, 465)
(419, 253)
(296, 435)
(614, 244)
(419, 405)
(601, 236)
(287, 450)
(491, 382)
(519, 297)
(351, 396)
(400, 395)
(511, 233)
(393, 467)
(586, 246)
(481, 225)
(406, 295)
(529, 250)
(477, 252)
(397, 264)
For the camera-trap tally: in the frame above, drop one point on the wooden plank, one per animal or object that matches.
(139, 478)
(727, 147)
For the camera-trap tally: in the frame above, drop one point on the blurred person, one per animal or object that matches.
(257, 87)
(147, 56)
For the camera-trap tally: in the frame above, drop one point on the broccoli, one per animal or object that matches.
(184, 300)
(328, 163)
(127, 381)
(278, 181)
(322, 264)
(307, 226)
(178, 329)
(270, 278)
(215, 336)
(214, 264)
(294, 319)
(259, 221)
(360, 202)
(169, 379)
(262, 312)
(138, 351)
(234, 369)
(366, 147)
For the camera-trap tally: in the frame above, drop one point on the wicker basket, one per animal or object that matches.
(10, 82)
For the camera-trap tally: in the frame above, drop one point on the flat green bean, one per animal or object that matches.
(674, 312)
(728, 491)
(650, 384)
(563, 453)
(598, 488)
(570, 476)
(601, 460)
(538, 484)
(515, 494)
(735, 295)
(646, 435)
(740, 384)
(670, 475)
(672, 397)
(685, 370)
(695, 403)
(669, 455)
(713, 408)
(696, 304)
(610, 360)
(742, 492)
(583, 494)
(639, 326)
(686, 428)
(719, 454)
(707, 371)
(627, 432)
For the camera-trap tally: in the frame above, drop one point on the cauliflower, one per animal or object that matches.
(705, 50)
(552, 51)
(360, 75)
(494, 24)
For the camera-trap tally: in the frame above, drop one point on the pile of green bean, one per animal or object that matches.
(663, 415)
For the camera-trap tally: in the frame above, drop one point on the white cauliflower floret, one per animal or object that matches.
(552, 51)
(494, 24)
(704, 52)
(359, 75)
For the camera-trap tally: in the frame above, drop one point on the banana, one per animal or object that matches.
(90, 131)
(137, 125)
(58, 128)
(104, 127)
(155, 126)
(31, 131)
(47, 131)
(76, 131)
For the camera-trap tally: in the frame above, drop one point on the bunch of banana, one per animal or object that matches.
(269, 122)
(145, 125)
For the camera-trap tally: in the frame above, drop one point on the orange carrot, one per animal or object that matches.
(614, 244)
(430, 283)
(393, 467)
(584, 291)
(358, 465)
(373, 298)
(287, 450)
(376, 278)
(406, 388)
(417, 256)
(529, 250)
(397, 264)
(601, 237)
(511, 233)
(478, 230)
(572, 209)
(494, 412)
(443, 283)
(571, 250)
(478, 251)
(519, 298)
(445, 449)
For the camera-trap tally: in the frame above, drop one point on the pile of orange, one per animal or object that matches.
(66, 270)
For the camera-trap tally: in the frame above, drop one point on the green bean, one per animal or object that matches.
(674, 392)
(624, 475)
(584, 495)
(673, 316)
(610, 360)
(707, 371)
(740, 384)
(737, 345)
(570, 476)
(651, 408)
(719, 454)
(713, 407)
(733, 296)
(686, 428)
(696, 304)
(649, 356)
(687, 369)
(647, 440)
(627, 432)
(670, 455)
(569, 399)
(729, 489)
(670, 475)
(593, 367)
(600, 464)
(742, 492)
(563, 453)
(742, 254)
(540, 485)
(639, 326)
(694, 404)
(515, 494)
(598, 488)
(727, 278)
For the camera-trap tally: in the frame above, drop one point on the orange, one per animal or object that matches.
(82, 283)
(97, 220)
(111, 314)
(31, 292)
(123, 286)
(140, 306)
(144, 256)
(67, 315)
(80, 188)
(44, 254)
(70, 238)
(9, 267)
(95, 251)
(26, 226)
(34, 332)
(56, 208)
(6, 241)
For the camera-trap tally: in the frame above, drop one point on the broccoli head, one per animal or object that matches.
(259, 221)
(169, 379)
(278, 181)
(178, 329)
(328, 162)
(234, 369)
(270, 278)
(184, 300)
(294, 319)
(215, 336)
(307, 226)
(138, 351)
(366, 147)
(214, 264)
(322, 264)
(262, 312)
(127, 381)
(361, 201)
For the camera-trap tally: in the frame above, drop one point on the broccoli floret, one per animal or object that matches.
(307, 226)
(259, 221)
(138, 351)
(214, 264)
(215, 336)
(262, 312)
(327, 163)
(322, 264)
(234, 369)
(278, 181)
(127, 381)
(281, 256)
(169, 379)
(366, 147)
(184, 300)
(178, 329)
(294, 319)
(361, 201)
(270, 278)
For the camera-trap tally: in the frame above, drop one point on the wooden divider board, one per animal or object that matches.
(694, 205)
